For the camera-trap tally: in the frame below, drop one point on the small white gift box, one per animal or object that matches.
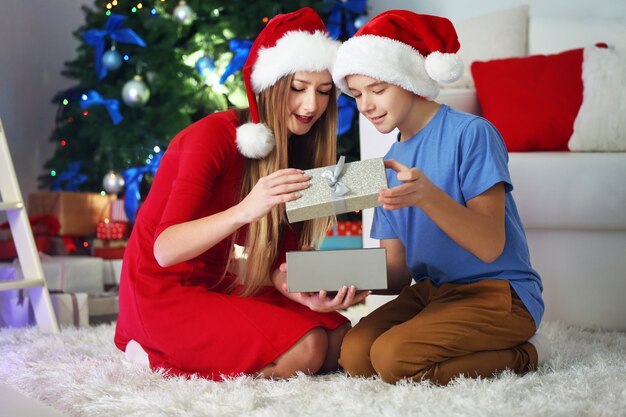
(70, 274)
(112, 271)
(71, 309)
(15, 310)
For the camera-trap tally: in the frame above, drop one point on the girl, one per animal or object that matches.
(185, 303)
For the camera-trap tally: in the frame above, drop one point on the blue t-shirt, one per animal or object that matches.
(464, 155)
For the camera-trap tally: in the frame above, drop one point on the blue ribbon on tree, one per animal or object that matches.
(343, 10)
(112, 105)
(241, 50)
(69, 180)
(112, 29)
(347, 110)
(132, 182)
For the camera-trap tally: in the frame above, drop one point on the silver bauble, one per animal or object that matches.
(183, 13)
(135, 92)
(113, 183)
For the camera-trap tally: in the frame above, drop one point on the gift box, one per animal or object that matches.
(69, 274)
(78, 213)
(344, 235)
(8, 251)
(109, 249)
(117, 212)
(71, 309)
(15, 309)
(43, 228)
(112, 272)
(110, 230)
(103, 308)
(340, 188)
(70, 245)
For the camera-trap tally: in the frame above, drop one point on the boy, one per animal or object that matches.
(448, 220)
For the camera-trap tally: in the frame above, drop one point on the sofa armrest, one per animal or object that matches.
(462, 99)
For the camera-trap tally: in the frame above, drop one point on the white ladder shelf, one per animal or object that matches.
(34, 281)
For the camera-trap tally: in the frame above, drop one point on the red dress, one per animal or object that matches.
(184, 316)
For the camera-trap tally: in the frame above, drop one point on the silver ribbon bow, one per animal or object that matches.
(337, 188)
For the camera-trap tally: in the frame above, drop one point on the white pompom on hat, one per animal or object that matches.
(410, 50)
(289, 43)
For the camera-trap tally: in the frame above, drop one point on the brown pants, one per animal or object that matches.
(437, 334)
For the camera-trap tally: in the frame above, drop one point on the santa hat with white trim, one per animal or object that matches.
(410, 50)
(290, 42)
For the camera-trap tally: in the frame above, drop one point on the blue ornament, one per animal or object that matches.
(111, 60)
(205, 65)
(360, 21)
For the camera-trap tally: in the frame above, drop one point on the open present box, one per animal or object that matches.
(340, 188)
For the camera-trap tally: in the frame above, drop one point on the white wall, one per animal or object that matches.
(35, 39)
(461, 9)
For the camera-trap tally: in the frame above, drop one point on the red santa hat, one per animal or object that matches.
(410, 50)
(289, 43)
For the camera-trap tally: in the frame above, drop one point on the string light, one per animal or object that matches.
(108, 13)
(53, 173)
(63, 142)
(134, 9)
(65, 102)
(139, 6)
(86, 113)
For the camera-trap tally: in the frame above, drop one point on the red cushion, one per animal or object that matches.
(534, 100)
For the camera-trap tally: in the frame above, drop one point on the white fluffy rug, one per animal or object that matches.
(81, 373)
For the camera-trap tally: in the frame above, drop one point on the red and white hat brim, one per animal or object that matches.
(391, 61)
(295, 51)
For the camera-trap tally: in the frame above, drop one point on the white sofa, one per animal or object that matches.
(573, 204)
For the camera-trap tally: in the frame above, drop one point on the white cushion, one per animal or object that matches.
(566, 190)
(500, 34)
(549, 35)
(601, 121)
(463, 99)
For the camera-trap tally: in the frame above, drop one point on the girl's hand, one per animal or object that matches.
(277, 188)
(320, 301)
(415, 191)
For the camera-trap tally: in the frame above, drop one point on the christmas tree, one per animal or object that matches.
(144, 70)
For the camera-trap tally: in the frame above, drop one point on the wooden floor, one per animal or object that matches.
(16, 404)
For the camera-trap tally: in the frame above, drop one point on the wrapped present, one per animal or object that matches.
(344, 235)
(103, 308)
(78, 213)
(110, 230)
(346, 229)
(112, 272)
(116, 212)
(70, 245)
(43, 228)
(8, 251)
(109, 249)
(341, 188)
(71, 309)
(70, 274)
(15, 309)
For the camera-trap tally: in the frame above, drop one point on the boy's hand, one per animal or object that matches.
(415, 191)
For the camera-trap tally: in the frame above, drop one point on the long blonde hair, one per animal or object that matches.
(317, 148)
